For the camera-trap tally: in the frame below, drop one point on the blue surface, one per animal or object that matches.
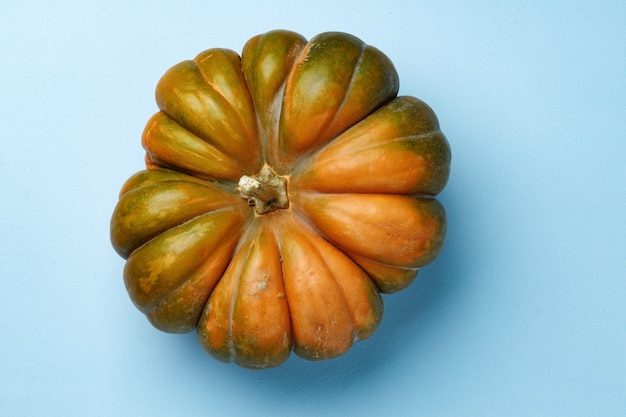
(524, 313)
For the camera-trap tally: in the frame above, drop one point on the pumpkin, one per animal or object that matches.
(285, 189)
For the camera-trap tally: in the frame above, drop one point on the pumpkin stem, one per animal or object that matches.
(266, 191)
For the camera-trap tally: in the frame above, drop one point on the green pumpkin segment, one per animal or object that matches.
(168, 261)
(179, 311)
(209, 97)
(267, 60)
(148, 210)
(153, 176)
(168, 144)
(336, 81)
(399, 149)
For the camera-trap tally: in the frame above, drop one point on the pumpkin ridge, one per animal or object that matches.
(302, 166)
(185, 97)
(301, 67)
(252, 231)
(226, 186)
(302, 214)
(262, 236)
(382, 96)
(281, 48)
(270, 149)
(149, 276)
(151, 309)
(227, 102)
(151, 139)
(222, 209)
(147, 177)
(294, 228)
(277, 239)
(133, 225)
(199, 267)
(230, 344)
(341, 105)
(328, 211)
(282, 272)
(384, 283)
(335, 279)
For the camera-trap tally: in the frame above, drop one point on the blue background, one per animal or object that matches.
(523, 314)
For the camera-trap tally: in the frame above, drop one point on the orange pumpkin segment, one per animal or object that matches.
(214, 327)
(399, 149)
(208, 97)
(247, 317)
(336, 81)
(331, 301)
(359, 293)
(389, 229)
(321, 322)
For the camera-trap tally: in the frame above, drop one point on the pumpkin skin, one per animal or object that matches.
(285, 189)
